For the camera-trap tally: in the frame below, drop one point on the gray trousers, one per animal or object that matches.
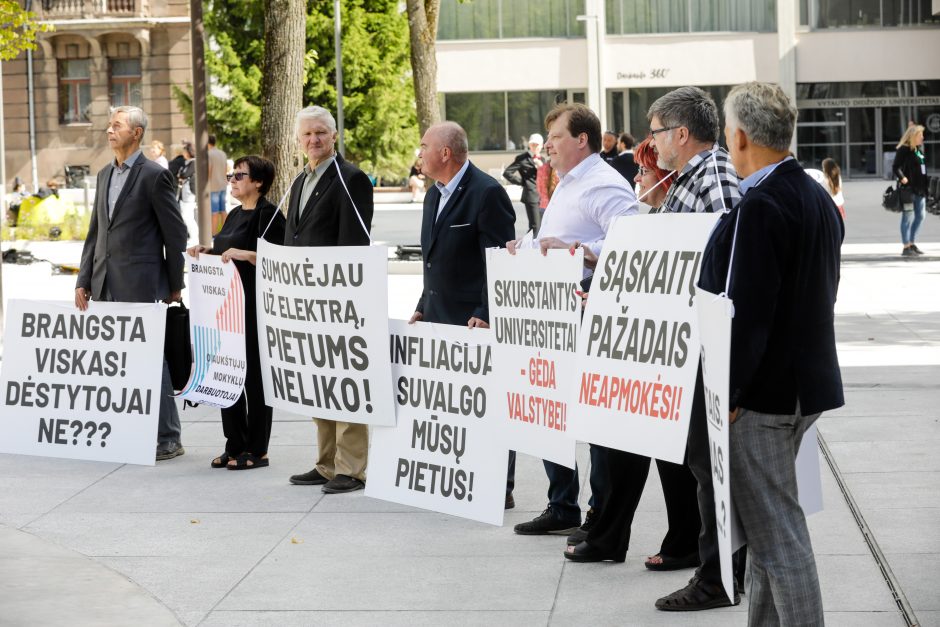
(784, 586)
(168, 428)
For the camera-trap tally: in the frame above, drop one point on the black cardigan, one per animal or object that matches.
(906, 164)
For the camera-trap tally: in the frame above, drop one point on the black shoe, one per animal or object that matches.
(584, 552)
(169, 450)
(908, 252)
(547, 523)
(696, 596)
(341, 484)
(309, 478)
(581, 533)
(917, 251)
(510, 502)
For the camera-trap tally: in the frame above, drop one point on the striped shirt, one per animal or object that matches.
(697, 190)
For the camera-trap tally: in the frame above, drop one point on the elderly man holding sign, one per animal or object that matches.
(777, 256)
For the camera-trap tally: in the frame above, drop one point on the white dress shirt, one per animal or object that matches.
(585, 202)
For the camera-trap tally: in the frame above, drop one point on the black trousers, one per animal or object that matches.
(627, 478)
(533, 214)
(247, 423)
(698, 455)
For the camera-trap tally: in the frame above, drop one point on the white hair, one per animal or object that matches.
(763, 112)
(136, 118)
(314, 112)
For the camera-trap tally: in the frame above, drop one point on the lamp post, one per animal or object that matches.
(338, 48)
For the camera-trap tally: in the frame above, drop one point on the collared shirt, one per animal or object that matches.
(447, 190)
(755, 178)
(119, 174)
(312, 175)
(696, 188)
(585, 202)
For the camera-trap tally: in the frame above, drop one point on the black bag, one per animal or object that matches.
(176, 345)
(895, 198)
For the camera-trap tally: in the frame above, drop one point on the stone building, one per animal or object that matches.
(101, 54)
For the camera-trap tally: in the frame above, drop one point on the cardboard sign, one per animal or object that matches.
(445, 454)
(535, 314)
(323, 331)
(217, 329)
(639, 346)
(82, 385)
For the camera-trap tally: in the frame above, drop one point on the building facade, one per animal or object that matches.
(101, 54)
(858, 69)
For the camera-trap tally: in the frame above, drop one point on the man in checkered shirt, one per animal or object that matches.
(684, 127)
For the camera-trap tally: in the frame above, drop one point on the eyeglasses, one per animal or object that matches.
(238, 176)
(645, 171)
(661, 130)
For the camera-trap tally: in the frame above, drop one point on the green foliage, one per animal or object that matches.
(18, 29)
(381, 131)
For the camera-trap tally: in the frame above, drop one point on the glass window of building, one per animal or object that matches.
(641, 99)
(506, 19)
(526, 113)
(866, 13)
(74, 90)
(503, 120)
(629, 17)
(125, 82)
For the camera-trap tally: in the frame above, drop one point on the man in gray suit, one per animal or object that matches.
(134, 249)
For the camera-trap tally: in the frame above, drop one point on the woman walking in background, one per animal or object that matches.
(910, 169)
(247, 423)
(833, 183)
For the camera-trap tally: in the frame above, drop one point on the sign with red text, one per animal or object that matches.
(323, 331)
(445, 453)
(639, 345)
(217, 332)
(535, 314)
(82, 384)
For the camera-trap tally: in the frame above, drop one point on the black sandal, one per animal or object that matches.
(696, 596)
(584, 552)
(221, 461)
(247, 461)
(673, 563)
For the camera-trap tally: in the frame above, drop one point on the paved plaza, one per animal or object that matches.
(85, 543)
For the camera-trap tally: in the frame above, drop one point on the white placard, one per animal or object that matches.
(535, 314)
(82, 385)
(445, 454)
(638, 349)
(323, 331)
(217, 332)
(808, 477)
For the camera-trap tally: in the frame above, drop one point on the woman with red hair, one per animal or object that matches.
(653, 182)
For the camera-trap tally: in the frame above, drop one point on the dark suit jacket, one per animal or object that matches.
(784, 279)
(523, 171)
(329, 218)
(626, 165)
(139, 251)
(477, 216)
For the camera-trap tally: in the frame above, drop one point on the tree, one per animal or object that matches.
(282, 84)
(18, 29)
(422, 25)
(381, 127)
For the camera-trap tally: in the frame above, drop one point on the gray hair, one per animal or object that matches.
(689, 107)
(454, 137)
(314, 112)
(763, 112)
(136, 118)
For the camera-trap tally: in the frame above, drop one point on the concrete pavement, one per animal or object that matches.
(183, 543)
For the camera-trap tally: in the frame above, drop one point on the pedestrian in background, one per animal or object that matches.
(524, 171)
(218, 184)
(833, 183)
(910, 170)
(158, 153)
(247, 423)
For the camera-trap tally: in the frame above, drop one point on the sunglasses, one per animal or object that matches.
(238, 176)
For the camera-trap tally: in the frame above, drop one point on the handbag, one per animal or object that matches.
(176, 345)
(895, 198)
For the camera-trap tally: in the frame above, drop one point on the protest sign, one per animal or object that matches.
(323, 331)
(445, 454)
(82, 385)
(217, 329)
(535, 314)
(638, 349)
(714, 316)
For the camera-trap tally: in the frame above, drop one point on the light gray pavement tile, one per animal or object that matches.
(43, 583)
(852, 583)
(864, 619)
(604, 615)
(293, 578)
(912, 530)
(918, 575)
(895, 490)
(879, 428)
(888, 402)
(929, 618)
(479, 618)
(188, 484)
(917, 456)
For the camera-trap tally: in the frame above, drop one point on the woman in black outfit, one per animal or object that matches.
(247, 423)
(910, 169)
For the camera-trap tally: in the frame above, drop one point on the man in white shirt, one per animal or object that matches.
(589, 195)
